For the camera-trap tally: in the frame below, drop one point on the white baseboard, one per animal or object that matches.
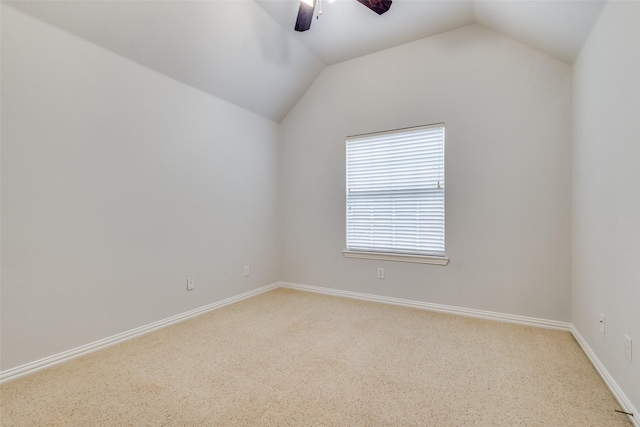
(460, 311)
(623, 400)
(65, 356)
(613, 386)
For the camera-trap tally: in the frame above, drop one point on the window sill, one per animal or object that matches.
(421, 259)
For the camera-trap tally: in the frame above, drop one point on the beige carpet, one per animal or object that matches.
(303, 359)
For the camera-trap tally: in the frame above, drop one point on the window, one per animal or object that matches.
(395, 195)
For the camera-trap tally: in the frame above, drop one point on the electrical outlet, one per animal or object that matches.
(628, 348)
(246, 270)
(190, 284)
(602, 324)
(380, 273)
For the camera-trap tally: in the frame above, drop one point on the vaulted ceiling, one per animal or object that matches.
(246, 51)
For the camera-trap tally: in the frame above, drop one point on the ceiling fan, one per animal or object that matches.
(307, 7)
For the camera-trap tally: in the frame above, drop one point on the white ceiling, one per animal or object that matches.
(348, 29)
(246, 51)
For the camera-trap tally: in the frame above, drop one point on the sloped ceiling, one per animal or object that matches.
(246, 51)
(557, 28)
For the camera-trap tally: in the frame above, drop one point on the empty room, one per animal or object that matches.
(320, 213)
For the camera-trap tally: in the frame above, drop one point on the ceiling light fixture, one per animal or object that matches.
(307, 7)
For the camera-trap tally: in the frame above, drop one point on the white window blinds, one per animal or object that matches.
(395, 191)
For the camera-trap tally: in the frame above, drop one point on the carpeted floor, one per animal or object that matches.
(302, 359)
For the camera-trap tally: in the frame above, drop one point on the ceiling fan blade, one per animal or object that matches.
(378, 6)
(305, 15)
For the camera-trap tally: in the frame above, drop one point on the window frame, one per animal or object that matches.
(423, 258)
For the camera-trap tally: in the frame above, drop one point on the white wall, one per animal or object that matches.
(507, 110)
(606, 191)
(118, 183)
